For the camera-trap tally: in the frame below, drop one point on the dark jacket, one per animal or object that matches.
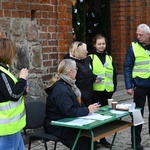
(128, 66)
(102, 57)
(62, 103)
(84, 79)
(9, 90)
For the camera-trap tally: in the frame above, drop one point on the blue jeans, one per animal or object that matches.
(12, 142)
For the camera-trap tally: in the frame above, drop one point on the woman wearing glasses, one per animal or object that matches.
(84, 78)
(64, 101)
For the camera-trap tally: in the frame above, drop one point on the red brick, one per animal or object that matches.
(15, 14)
(44, 14)
(52, 15)
(52, 29)
(44, 1)
(8, 5)
(44, 22)
(62, 35)
(54, 2)
(35, 7)
(22, 14)
(1, 13)
(7, 13)
(22, 6)
(47, 8)
(62, 8)
(62, 22)
(33, 1)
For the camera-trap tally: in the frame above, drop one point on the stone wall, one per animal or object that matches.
(42, 31)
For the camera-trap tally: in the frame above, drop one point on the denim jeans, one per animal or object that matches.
(12, 142)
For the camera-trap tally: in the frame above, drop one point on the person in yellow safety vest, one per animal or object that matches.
(12, 110)
(137, 74)
(105, 69)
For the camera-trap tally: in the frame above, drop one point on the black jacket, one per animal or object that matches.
(84, 79)
(62, 103)
(8, 89)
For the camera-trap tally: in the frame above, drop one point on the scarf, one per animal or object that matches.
(74, 88)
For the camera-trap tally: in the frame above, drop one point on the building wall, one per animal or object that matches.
(126, 15)
(42, 31)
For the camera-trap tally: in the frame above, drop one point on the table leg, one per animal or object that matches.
(76, 140)
(112, 143)
(92, 143)
(133, 136)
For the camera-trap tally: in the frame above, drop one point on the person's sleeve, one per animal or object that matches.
(114, 76)
(128, 66)
(10, 90)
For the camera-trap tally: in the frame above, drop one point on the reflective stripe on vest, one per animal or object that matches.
(142, 62)
(104, 71)
(12, 114)
(13, 119)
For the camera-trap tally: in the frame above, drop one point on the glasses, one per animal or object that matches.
(76, 69)
(79, 44)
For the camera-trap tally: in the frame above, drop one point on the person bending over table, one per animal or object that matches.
(64, 101)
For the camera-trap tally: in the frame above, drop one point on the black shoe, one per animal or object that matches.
(105, 143)
(139, 147)
(97, 145)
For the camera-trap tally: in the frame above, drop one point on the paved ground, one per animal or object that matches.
(122, 141)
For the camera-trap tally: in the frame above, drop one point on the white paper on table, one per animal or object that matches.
(96, 116)
(137, 117)
(76, 122)
(118, 112)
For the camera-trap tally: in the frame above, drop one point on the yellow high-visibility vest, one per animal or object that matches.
(142, 62)
(12, 114)
(105, 72)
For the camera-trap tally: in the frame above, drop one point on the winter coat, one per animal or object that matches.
(62, 103)
(128, 66)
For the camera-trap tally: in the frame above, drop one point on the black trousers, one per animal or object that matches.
(84, 143)
(140, 96)
(101, 97)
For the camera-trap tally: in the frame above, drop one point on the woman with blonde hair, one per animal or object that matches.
(84, 78)
(64, 101)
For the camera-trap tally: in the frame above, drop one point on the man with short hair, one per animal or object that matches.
(137, 73)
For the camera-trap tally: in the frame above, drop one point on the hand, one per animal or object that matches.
(130, 91)
(93, 107)
(24, 73)
(98, 79)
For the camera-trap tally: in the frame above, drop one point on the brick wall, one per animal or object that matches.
(126, 15)
(42, 31)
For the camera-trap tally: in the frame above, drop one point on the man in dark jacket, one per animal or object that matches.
(137, 73)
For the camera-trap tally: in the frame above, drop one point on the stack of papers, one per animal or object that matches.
(118, 112)
(76, 122)
(96, 116)
(123, 106)
(80, 121)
